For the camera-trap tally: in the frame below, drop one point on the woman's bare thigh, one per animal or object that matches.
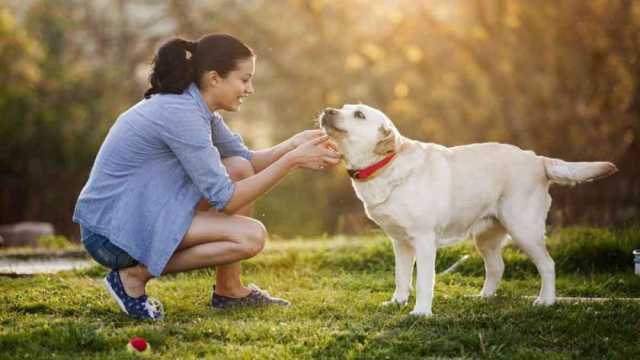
(210, 226)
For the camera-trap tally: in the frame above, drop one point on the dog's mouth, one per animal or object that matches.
(333, 128)
(328, 123)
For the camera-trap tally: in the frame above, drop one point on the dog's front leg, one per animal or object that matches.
(425, 245)
(405, 257)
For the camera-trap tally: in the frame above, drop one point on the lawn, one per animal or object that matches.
(336, 286)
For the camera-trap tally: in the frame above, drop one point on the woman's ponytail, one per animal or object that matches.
(172, 67)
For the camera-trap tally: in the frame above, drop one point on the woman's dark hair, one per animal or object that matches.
(173, 70)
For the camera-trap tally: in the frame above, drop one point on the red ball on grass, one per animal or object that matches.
(138, 345)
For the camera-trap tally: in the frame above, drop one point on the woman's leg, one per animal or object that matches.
(214, 239)
(134, 279)
(228, 281)
(217, 239)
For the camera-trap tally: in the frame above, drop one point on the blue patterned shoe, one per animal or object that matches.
(142, 307)
(257, 297)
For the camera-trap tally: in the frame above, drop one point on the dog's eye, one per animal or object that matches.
(358, 114)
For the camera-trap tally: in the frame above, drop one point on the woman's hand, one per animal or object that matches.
(316, 153)
(308, 135)
(304, 136)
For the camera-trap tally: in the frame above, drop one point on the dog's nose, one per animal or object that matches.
(330, 111)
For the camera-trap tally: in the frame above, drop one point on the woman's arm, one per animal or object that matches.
(261, 159)
(308, 155)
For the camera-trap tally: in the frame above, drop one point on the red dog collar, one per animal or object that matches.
(369, 171)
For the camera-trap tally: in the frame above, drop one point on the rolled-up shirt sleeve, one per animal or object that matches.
(228, 143)
(188, 135)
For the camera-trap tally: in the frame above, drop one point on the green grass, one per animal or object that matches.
(336, 286)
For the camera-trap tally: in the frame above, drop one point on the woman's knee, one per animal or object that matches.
(252, 238)
(238, 168)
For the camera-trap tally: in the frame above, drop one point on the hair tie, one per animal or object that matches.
(191, 46)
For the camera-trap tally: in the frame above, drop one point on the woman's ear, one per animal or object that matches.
(212, 77)
(387, 144)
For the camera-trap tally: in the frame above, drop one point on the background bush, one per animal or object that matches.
(559, 78)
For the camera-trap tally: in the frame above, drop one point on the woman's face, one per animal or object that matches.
(227, 93)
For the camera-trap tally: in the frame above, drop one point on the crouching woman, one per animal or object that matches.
(143, 211)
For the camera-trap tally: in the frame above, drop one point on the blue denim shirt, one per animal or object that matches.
(158, 160)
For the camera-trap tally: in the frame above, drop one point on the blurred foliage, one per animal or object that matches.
(54, 242)
(559, 78)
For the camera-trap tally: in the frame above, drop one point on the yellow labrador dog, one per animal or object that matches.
(425, 195)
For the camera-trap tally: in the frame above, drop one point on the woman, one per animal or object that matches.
(168, 153)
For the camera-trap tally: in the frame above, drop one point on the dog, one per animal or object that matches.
(425, 196)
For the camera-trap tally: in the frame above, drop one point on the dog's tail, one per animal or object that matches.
(571, 173)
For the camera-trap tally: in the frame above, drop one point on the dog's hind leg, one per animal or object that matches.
(405, 259)
(538, 253)
(489, 244)
(527, 226)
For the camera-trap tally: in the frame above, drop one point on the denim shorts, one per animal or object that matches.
(104, 251)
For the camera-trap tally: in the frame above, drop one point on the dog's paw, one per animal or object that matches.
(421, 313)
(394, 302)
(487, 294)
(544, 301)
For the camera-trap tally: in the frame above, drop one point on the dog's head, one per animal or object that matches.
(363, 134)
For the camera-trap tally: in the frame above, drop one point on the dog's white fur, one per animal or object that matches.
(430, 196)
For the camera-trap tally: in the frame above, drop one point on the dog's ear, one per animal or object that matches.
(387, 144)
